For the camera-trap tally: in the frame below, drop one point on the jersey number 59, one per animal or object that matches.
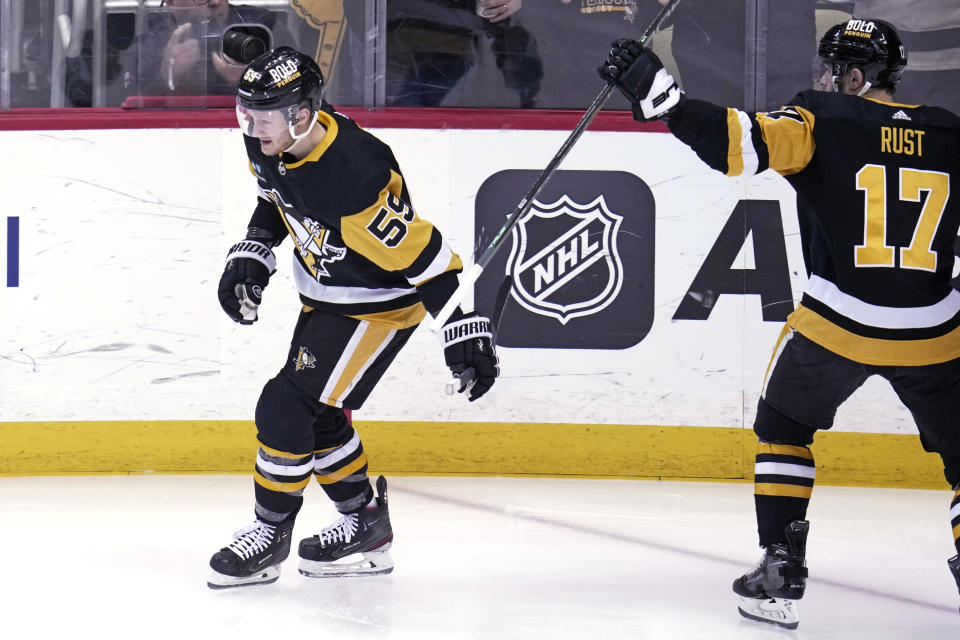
(389, 226)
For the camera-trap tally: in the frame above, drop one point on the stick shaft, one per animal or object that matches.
(523, 207)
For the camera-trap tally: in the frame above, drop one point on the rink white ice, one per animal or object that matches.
(478, 558)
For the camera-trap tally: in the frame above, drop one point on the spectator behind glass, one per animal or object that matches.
(119, 76)
(708, 47)
(432, 44)
(930, 30)
(176, 41)
(570, 32)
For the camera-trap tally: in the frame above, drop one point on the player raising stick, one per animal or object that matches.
(877, 225)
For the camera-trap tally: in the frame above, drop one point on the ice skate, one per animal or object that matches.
(768, 593)
(358, 544)
(954, 564)
(253, 557)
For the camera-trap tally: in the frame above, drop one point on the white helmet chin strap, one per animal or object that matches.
(866, 87)
(298, 138)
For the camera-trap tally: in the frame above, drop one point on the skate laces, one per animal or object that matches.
(252, 539)
(773, 552)
(342, 530)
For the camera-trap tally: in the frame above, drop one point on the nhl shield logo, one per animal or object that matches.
(564, 261)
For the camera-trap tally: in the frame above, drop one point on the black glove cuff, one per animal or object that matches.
(467, 328)
(435, 292)
(254, 250)
(666, 117)
(262, 235)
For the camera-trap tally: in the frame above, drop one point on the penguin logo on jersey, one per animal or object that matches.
(564, 261)
(274, 195)
(304, 360)
(315, 248)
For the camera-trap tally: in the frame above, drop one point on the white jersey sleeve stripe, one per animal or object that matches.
(437, 266)
(747, 150)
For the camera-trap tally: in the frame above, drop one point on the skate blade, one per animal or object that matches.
(222, 581)
(369, 563)
(777, 611)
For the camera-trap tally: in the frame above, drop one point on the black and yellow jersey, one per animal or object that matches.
(359, 247)
(878, 220)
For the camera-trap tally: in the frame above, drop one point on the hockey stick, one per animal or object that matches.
(470, 277)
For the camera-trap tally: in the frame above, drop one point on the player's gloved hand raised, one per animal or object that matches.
(469, 351)
(250, 263)
(638, 74)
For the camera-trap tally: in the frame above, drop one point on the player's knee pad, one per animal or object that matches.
(285, 417)
(331, 428)
(951, 469)
(774, 427)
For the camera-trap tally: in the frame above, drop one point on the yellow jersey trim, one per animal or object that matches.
(875, 351)
(788, 134)
(734, 145)
(332, 129)
(893, 104)
(398, 318)
(356, 233)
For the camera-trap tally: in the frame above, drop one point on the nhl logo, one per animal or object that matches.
(564, 261)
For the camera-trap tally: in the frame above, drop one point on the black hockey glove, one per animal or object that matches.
(640, 76)
(470, 354)
(250, 263)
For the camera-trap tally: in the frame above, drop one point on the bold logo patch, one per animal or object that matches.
(860, 28)
(284, 72)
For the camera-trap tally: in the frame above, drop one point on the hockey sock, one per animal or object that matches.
(279, 480)
(955, 517)
(783, 483)
(342, 472)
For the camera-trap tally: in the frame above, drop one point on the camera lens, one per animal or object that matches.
(242, 47)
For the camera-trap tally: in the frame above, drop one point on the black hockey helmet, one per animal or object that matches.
(281, 77)
(873, 46)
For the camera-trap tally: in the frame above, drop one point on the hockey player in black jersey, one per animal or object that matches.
(368, 270)
(878, 223)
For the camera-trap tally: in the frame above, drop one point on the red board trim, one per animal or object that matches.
(399, 118)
